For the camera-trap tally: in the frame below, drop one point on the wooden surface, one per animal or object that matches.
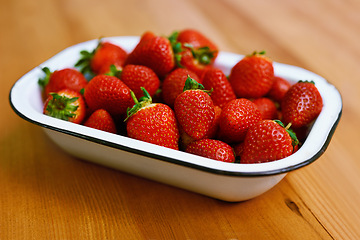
(48, 194)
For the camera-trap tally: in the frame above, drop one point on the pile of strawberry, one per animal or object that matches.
(168, 92)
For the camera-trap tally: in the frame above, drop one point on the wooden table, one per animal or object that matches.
(48, 194)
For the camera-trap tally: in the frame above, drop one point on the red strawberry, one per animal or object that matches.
(188, 60)
(197, 40)
(68, 78)
(301, 104)
(174, 83)
(194, 110)
(213, 149)
(136, 76)
(195, 52)
(236, 118)
(267, 141)
(185, 139)
(154, 52)
(252, 76)
(67, 105)
(222, 91)
(109, 93)
(146, 36)
(267, 108)
(152, 122)
(279, 88)
(102, 120)
(101, 58)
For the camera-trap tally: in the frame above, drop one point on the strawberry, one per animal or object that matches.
(267, 108)
(194, 110)
(252, 76)
(154, 52)
(267, 141)
(185, 139)
(222, 91)
(66, 104)
(109, 93)
(236, 118)
(197, 40)
(101, 58)
(60, 79)
(102, 120)
(136, 76)
(213, 149)
(188, 59)
(152, 122)
(301, 104)
(146, 36)
(279, 88)
(195, 52)
(174, 83)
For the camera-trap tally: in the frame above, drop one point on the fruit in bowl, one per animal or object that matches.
(206, 115)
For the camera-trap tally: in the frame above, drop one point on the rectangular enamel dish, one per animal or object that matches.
(225, 181)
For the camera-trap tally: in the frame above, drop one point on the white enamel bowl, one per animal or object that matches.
(226, 181)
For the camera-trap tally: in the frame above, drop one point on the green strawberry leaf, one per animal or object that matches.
(61, 107)
(192, 84)
(114, 71)
(177, 48)
(262, 53)
(45, 80)
(84, 63)
(294, 139)
(173, 37)
(280, 123)
(142, 102)
(203, 54)
(292, 134)
(306, 81)
(178, 60)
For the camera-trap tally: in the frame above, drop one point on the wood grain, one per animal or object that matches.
(48, 194)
